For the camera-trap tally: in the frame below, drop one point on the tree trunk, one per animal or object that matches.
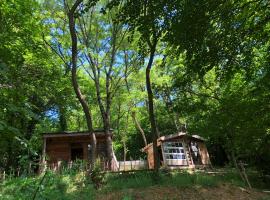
(239, 168)
(75, 84)
(108, 142)
(169, 104)
(133, 114)
(125, 153)
(151, 109)
(236, 165)
(176, 121)
(62, 119)
(107, 114)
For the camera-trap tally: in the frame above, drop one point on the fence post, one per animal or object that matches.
(119, 168)
(18, 171)
(29, 168)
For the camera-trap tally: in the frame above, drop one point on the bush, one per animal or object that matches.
(55, 186)
(97, 175)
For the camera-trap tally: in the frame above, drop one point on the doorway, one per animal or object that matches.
(195, 153)
(76, 152)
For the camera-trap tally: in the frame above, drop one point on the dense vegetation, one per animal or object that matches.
(139, 185)
(142, 68)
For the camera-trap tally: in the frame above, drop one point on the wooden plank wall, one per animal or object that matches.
(189, 162)
(204, 154)
(150, 157)
(59, 149)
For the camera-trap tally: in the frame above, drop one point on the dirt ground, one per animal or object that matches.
(223, 192)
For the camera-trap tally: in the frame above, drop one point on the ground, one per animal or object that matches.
(221, 192)
(144, 185)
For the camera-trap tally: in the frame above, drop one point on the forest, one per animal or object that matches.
(142, 68)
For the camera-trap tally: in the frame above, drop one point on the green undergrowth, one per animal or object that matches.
(174, 178)
(55, 186)
(67, 186)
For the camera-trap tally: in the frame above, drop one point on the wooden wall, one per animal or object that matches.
(150, 157)
(204, 153)
(189, 162)
(59, 148)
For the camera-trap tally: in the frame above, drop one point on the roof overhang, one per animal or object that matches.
(173, 136)
(74, 134)
(180, 134)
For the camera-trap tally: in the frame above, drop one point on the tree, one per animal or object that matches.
(105, 50)
(24, 66)
(58, 48)
(74, 58)
(144, 16)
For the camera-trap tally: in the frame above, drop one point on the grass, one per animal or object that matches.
(174, 179)
(55, 186)
(69, 186)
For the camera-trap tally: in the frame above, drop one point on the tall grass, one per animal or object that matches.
(69, 185)
(55, 186)
(175, 179)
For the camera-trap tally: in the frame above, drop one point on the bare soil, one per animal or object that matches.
(222, 192)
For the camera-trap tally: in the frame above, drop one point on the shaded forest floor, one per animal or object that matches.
(221, 192)
(132, 186)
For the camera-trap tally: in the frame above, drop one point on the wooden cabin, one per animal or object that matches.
(70, 146)
(179, 151)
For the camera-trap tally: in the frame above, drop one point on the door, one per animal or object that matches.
(76, 152)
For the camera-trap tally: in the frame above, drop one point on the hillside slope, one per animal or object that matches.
(222, 192)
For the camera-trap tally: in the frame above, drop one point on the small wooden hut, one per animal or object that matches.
(70, 146)
(179, 151)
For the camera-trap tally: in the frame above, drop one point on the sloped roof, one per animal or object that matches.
(74, 133)
(180, 134)
(172, 136)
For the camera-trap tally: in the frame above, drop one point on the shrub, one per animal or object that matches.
(97, 175)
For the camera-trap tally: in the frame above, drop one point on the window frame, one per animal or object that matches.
(175, 145)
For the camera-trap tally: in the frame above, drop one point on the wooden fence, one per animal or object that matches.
(36, 168)
(116, 165)
(132, 165)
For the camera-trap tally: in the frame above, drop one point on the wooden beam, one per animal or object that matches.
(43, 160)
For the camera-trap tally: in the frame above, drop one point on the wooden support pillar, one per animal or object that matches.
(163, 155)
(189, 158)
(43, 160)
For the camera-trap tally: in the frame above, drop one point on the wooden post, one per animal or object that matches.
(29, 168)
(163, 154)
(188, 152)
(18, 171)
(119, 166)
(244, 173)
(59, 165)
(43, 161)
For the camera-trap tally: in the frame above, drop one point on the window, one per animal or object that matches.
(174, 151)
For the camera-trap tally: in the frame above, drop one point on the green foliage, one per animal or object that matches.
(55, 186)
(211, 73)
(97, 175)
(78, 185)
(175, 179)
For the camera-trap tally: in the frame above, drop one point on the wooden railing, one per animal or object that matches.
(60, 166)
(132, 165)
